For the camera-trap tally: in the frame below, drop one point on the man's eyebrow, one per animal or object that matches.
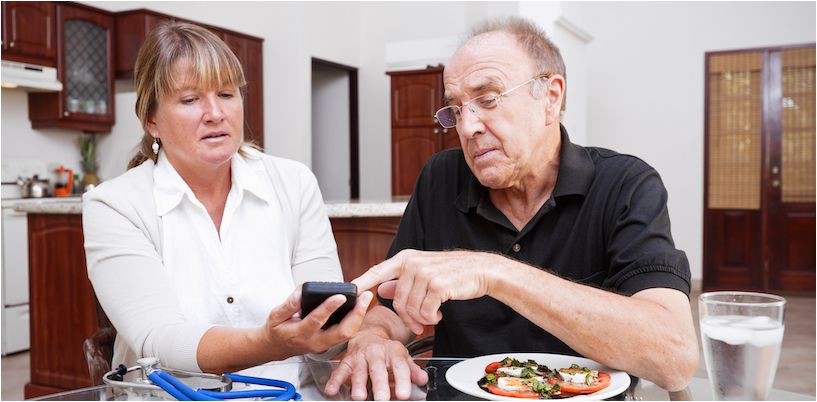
(485, 85)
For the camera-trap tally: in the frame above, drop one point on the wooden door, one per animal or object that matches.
(759, 196)
(415, 98)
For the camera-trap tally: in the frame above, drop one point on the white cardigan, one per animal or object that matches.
(123, 246)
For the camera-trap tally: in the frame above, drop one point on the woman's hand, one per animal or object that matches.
(290, 334)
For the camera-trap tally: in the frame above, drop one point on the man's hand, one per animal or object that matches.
(426, 279)
(371, 355)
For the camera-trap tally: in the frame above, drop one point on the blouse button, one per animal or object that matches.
(516, 247)
(230, 300)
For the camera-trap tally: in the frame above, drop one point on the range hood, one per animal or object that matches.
(30, 77)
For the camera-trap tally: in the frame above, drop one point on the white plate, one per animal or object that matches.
(464, 375)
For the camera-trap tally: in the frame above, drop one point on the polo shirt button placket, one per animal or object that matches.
(516, 247)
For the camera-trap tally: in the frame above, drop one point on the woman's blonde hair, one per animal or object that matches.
(212, 65)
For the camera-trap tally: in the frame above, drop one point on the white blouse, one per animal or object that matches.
(164, 275)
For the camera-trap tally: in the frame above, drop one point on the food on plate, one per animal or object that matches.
(529, 379)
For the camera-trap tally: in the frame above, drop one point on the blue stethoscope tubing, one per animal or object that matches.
(182, 392)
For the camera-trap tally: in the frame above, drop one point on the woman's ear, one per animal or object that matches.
(554, 92)
(151, 128)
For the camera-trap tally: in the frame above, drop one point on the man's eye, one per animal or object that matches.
(487, 102)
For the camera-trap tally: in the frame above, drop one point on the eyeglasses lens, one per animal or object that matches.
(447, 117)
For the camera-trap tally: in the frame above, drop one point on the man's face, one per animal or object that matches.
(504, 145)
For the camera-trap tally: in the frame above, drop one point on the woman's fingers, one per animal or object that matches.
(285, 310)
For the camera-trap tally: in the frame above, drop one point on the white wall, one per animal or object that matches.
(645, 79)
(330, 132)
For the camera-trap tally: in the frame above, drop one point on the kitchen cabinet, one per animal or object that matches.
(85, 67)
(28, 32)
(62, 303)
(132, 28)
(363, 242)
(415, 96)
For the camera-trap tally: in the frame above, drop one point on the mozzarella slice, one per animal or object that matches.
(516, 383)
(511, 371)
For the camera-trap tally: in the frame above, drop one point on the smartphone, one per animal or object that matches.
(314, 293)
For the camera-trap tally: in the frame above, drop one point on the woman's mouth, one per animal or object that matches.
(215, 136)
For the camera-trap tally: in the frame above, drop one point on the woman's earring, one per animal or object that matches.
(155, 146)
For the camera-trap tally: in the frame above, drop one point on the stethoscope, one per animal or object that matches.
(214, 387)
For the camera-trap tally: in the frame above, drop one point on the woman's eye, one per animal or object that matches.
(188, 100)
(226, 95)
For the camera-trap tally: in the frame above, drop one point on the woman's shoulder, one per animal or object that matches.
(285, 168)
(128, 186)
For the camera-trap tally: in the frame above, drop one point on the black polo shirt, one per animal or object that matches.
(605, 225)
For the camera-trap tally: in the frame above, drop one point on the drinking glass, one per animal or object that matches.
(741, 334)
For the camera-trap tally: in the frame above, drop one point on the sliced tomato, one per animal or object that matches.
(491, 368)
(576, 388)
(494, 389)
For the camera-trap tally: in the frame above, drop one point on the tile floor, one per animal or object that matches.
(796, 371)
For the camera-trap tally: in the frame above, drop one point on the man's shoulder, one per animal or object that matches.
(612, 162)
(448, 162)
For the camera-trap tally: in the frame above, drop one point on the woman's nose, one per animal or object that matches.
(213, 108)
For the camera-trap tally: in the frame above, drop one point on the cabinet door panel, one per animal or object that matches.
(28, 32)
(415, 99)
(411, 148)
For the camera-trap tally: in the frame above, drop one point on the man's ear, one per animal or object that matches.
(554, 92)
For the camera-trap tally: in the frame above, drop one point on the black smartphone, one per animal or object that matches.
(314, 293)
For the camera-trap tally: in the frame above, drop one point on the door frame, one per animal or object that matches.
(354, 152)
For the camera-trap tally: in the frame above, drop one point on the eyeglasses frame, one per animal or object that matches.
(496, 98)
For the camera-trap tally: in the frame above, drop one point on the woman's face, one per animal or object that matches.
(199, 129)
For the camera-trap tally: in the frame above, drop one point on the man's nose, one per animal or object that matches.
(470, 123)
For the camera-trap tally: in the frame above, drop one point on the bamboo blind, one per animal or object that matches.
(797, 134)
(735, 130)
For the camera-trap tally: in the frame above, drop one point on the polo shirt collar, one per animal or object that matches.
(576, 171)
(248, 174)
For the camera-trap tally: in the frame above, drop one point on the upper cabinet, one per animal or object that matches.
(132, 28)
(85, 68)
(28, 32)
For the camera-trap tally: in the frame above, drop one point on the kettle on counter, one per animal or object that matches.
(34, 187)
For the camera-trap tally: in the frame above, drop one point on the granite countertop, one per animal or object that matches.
(335, 209)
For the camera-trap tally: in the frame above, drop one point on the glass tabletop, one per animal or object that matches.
(314, 375)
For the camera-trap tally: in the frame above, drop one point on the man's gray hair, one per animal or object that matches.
(532, 39)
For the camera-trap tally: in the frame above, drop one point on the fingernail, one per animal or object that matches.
(381, 396)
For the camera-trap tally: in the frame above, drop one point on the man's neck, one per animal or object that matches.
(520, 202)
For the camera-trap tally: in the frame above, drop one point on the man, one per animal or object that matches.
(557, 248)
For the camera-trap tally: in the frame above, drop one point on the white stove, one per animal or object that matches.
(15, 312)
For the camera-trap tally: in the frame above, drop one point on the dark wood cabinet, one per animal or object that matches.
(85, 68)
(363, 242)
(28, 32)
(63, 309)
(415, 96)
(133, 26)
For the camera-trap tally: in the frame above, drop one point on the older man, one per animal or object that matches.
(556, 247)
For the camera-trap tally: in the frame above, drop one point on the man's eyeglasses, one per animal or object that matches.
(449, 116)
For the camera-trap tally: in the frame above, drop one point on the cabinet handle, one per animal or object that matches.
(775, 170)
(65, 114)
(445, 131)
(436, 131)
(11, 44)
(775, 183)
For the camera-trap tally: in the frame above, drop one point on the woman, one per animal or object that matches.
(197, 251)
